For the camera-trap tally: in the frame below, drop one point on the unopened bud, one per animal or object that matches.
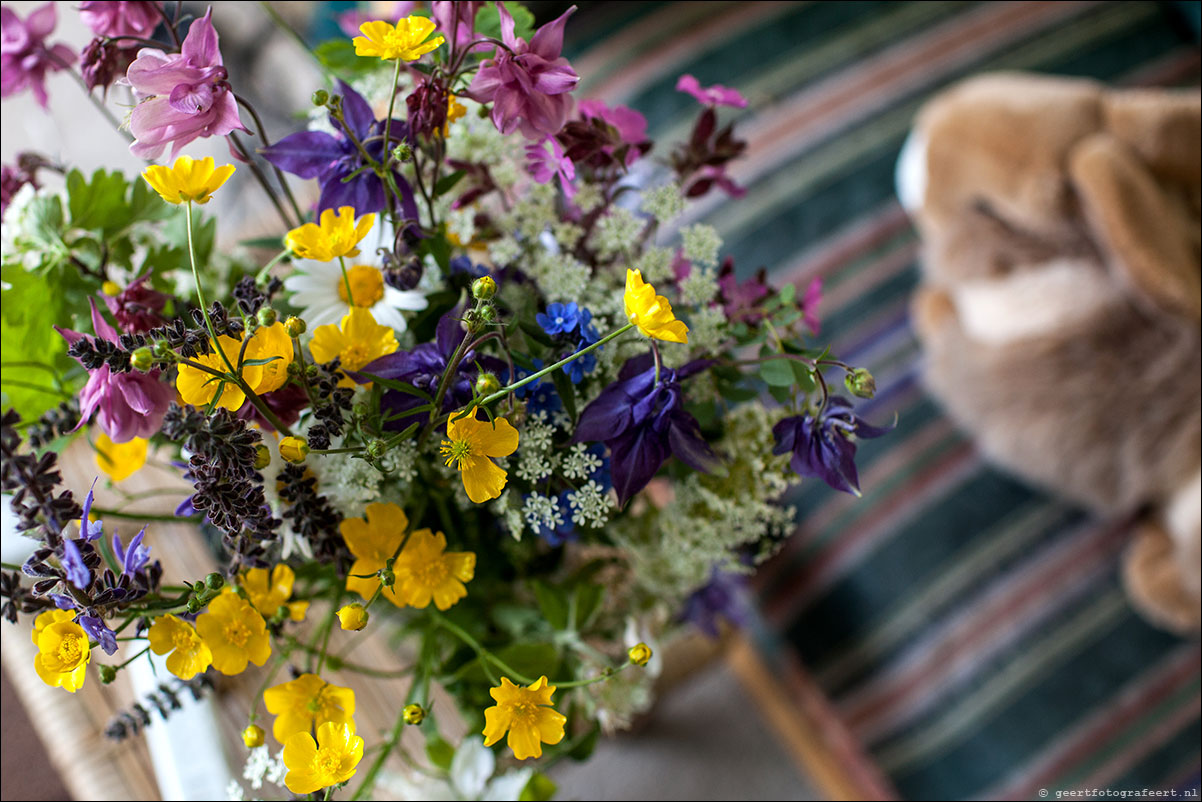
(321, 97)
(294, 326)
(484, 288)
(639, 654)
(194, 605)
(414, 714)
(487, 384)
(353, 617)
(141, 359)
(253, 736)
(107, 674)
(294, 449)
(262, 457)
(402, 152)
(214, 581)
(488, 314)
(377, 449)
(860, 383)
(267, 316)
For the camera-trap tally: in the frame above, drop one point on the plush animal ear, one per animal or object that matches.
(1147, 235)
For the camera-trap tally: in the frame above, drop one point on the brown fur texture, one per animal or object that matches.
(1060, 306)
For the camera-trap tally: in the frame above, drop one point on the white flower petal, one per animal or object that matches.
(471, 767)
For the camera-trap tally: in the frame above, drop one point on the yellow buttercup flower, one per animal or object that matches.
(199, 388)
(270, 343)
(455, 110)
(252, 736)
(307, 702)
(406, 40)
(269, 591)
(469, 445)
(650, 312)
(373, 542)
(187, 179)
(352, 617)
(120, 460)
(234, 632)
(528, 716)
(63, 650)
(426, 571)
(331, 236)
(328, 761)
(357, 340)
(189, 654)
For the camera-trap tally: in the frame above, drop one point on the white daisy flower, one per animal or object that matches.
(319, 290)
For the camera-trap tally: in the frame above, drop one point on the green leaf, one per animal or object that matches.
(540, 788)
(588, 602)
(448, 182)
(567, 391)
(536, 333)
(584, 749)
(338, 55)
(99, 202)
(398, 385)
(440, 752)
(531, 659)
(35, 355)
(488, 21)
(802, 376)
(553, 604)
(777, 373)
(787, 293)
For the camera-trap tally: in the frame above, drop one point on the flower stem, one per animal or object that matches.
(346, 280)
(550, 368)
(474, 645)
(396, 77)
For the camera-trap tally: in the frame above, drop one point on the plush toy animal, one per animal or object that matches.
(1060, 302)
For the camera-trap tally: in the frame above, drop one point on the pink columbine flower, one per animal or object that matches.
(809, 305)
(544, 166)
(349, 21)
(137, 307)
(445, 14)
(529, 84)
(187, 96)
(716, 95)
(136, 18)
(25, 58)
(127, 405)
(630, 125)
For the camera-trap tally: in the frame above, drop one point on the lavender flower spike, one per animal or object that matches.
(87, 529)
(133, 558)
(73, 564)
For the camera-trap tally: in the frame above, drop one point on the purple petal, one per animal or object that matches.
(684, 436)
(96, 628)
(200, 45)
(635, 459)
(307, 154)
(365, 192)
(73, 565)
(548, 40)
(101, 326)
(356, 111)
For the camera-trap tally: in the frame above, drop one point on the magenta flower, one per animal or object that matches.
(544, 166)
(136, 18)
(630, 125)
(809, 305)
(25, 58)
(349, 21)
(137, 307)
(128, 405)
(716, 95)
(456, 20)
(187, 95)
(528, 84)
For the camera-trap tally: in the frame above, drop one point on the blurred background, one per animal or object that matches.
(952, 634)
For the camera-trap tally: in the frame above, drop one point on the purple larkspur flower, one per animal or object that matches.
(423, 366)
(544, 165)
(338, 165)
(644, 423)
(135, 18)
(716, 95)
(25, 57)
(184, 95)
(96, 628)
(72, 561)
(127, 405)
(529, 84)
(134, 557)
(723, 598)
(825, 446)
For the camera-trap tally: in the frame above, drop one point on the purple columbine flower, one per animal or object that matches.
(72, 561)
(723, 598)
(127, 405)
(423, 366)
(185, 95)
(644, 423)
(25, 58)
(333, 158)
(825, 446)
(529, 84)
(137, 18)
(543, 165)
(95, 627)
(716, 95)
(132, 559)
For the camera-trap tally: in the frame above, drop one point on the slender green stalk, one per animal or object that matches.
(474, 645)
(142, 516)
(346, 280)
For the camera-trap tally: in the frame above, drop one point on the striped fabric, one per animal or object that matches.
(970, 634)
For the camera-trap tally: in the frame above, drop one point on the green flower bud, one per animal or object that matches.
(321, 97)
(860, 383)
(262, 457)
(142, 359)
(294, 326)
(402, 152)
(107, 674)
(484, 288)
(267, 316)
(487, 384)
(377, 449)
(414, 714)
(214, 581)
(194, 604)
(489, 314)
(639, 654)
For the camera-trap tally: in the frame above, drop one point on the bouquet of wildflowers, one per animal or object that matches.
(487, 394)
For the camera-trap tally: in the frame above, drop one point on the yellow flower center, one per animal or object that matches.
(456, 451)
(237, 633)
(69, 650)
(328, 761)
(523, 713)
(182, 640)
(432, 574)
(355, 356)
(367, 286)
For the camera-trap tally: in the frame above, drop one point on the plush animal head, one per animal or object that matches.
(1059, 188)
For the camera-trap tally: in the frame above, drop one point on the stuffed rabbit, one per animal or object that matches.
(1060, 302)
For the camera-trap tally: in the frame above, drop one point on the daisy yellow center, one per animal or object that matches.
(456, 452)
(69, 650)
(237, 633)
(328, 760)
(367, 286)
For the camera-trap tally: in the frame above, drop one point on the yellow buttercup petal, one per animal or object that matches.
(120, 460)
(650, 312)
(188, 179)
(406, 40)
